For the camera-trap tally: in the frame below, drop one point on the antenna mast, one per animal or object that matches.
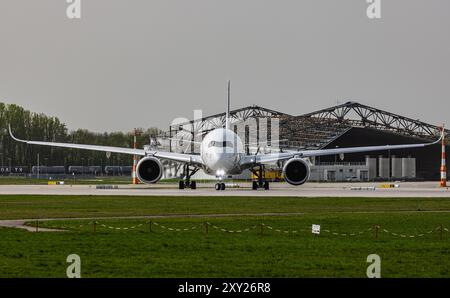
(227, 116)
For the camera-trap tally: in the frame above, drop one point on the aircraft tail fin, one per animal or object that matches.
(227, 116)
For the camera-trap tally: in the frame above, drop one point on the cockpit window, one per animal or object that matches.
(221, 144)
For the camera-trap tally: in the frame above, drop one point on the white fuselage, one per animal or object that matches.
(221, 151)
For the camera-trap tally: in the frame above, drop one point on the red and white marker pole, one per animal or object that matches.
(443, 166)
(133, 174)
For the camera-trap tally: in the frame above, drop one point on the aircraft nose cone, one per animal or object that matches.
(222, 161)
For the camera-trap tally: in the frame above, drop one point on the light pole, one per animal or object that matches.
(390, 165)
(335, 157)
(9, 159)
(3, 132)
(46, 166)
(38, 165)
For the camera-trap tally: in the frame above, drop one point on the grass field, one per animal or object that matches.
(41, 206)
(162, 252)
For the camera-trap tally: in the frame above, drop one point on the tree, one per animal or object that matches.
(38, 126)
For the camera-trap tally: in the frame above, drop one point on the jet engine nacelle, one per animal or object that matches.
(296, 171)
(149, 170)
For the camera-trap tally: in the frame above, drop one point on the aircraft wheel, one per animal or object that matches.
(222, 186)
(217, 186)
(254, 185)
(181, 184)
(266, 185)
(193, 185)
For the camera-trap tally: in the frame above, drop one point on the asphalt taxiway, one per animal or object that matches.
(403, 189)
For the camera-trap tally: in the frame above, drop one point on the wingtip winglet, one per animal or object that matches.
(442, 135)
(11, 134)
(443, 132)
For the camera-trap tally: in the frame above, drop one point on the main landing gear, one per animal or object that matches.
(187, 174)
(261, 181)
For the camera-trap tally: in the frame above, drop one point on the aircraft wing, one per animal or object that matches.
(274, 157)
(183, 140)
(180, 157)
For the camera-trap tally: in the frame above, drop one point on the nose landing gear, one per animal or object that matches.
(220, 186)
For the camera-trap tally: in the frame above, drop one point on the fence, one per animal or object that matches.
(261, 228)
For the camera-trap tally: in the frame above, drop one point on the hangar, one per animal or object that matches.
(345, 125)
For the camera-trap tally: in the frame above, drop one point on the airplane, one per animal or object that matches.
(222, 155)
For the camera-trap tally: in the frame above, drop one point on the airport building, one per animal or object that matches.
(346, 125)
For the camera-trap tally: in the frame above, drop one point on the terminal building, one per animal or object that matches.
(346, 125)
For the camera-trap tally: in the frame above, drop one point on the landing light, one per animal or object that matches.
(220, 172)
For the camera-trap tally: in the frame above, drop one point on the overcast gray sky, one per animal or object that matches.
(141, 63)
